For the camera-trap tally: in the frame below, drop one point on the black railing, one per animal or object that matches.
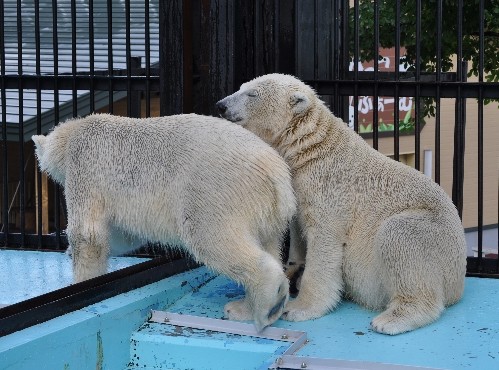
(110, 50)
(62, 59)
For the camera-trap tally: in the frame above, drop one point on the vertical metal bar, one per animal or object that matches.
(187, 57)
(170, 55)
(480, 126)
(337, 53)
(91, 53)
(417, 113)
(148, 58)
(110, 66)
(316, 39)
(256, 43)
(296, 31)
(459, 129)
(73, 57)
(55, 44)
(343, 38)
(356, 67)
(439, 21)
(277, 34)
(205, 55)
(229, 42)
(396, 111)
(286, 46)
(128, 54)
(5, 163)
(21, 191)
(376, 74)
(39, 203)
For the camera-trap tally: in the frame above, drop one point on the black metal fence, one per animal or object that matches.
(411, 77)
(62, 59)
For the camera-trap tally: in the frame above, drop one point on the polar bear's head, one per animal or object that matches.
(267, 104)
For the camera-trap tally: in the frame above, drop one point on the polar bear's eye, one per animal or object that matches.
(252, 94)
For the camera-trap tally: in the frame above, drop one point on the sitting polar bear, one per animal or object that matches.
(382, 233)
(199, 182)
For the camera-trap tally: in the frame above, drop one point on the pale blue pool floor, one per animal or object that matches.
(465, 337)
(27, 274)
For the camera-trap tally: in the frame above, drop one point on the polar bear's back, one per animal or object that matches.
(174, 168)
(149, 147)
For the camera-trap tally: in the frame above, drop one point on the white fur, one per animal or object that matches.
(373, 229)
(199, 182)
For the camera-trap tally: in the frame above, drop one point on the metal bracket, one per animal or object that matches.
(288, 360)
(314, 363)
(296, 338)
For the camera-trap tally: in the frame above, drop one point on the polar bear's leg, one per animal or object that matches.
(321, 283)
(297, 249)
(241, 310)
(408, 243)
(88, 236)
(262, 276)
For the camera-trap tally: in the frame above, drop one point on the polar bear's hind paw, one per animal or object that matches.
(238, 311)
(403, 318)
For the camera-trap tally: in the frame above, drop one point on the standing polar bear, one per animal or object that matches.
(199, 182)
(374, 229)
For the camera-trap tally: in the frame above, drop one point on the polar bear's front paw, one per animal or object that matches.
(238, 310)
(387, 323)
(297, 311)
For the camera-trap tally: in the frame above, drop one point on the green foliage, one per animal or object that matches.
(405, 126)
(428, 42)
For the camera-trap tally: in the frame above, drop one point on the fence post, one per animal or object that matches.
(134, 99)
(171, 63)
(459, 145)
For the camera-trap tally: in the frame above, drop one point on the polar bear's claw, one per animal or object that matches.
(238, 310)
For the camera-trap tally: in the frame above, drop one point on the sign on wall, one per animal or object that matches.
(386, 104)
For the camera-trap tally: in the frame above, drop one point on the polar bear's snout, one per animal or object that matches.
(222, 107)
(230, 109)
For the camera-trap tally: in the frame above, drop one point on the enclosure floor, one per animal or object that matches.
(27, 274)
(465, 337)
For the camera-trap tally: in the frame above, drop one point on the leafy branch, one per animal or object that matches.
(428, 37)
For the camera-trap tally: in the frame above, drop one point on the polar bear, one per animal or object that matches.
(371, 228)
(199, 182)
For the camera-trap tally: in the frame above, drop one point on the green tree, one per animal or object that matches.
(428, 39)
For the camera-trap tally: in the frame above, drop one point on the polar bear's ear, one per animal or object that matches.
(299, 102)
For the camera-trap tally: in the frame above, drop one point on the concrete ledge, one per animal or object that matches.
(157, 346)
(97, 336)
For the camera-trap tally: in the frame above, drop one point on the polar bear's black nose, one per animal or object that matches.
(222, 108)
